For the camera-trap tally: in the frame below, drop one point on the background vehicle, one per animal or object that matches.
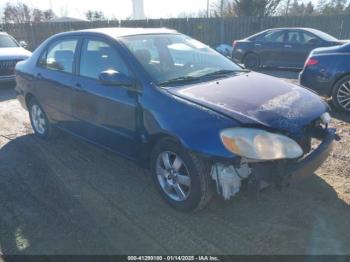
(10, 53)
(327, 71)
(280, 47)
(163, 98)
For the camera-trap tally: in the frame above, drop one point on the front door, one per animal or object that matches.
(269, 46)
(104, 114)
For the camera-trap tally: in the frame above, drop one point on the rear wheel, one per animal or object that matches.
(341, 94)
(251, 61)
(182, 178)
(40, 123)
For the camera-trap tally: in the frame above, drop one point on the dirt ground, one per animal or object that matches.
(69, 197)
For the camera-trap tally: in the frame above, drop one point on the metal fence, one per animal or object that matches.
(211, 31)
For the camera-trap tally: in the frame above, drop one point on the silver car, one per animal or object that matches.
(10, 53)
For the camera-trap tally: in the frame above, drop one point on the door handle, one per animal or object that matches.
(257, 45)
(287, 46)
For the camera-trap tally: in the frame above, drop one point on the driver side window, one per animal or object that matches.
(98, 56)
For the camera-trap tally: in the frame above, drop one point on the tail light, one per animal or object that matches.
(311, 62)
(234, 44)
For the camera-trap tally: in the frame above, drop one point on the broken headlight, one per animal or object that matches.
(258, 144)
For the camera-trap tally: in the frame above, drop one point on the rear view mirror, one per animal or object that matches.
(23, 44)
(114, 78)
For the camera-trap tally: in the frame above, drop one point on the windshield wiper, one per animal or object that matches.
(224, 72)
(178, 80)
(185, 79)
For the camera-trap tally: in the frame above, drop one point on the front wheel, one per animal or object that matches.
(341, 94)
(182, 178)
(38, 119)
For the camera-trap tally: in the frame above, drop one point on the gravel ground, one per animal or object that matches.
(69, 197)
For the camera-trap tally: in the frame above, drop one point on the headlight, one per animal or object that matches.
(259, 144)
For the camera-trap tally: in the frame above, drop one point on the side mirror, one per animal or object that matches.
(23, 44)
(114, 78)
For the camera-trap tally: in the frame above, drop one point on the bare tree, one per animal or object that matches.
(246, 7)
(22, 13)
(95, 15)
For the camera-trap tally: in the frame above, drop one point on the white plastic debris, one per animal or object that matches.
(228, 178)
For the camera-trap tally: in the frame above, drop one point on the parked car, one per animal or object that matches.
(327, 71)
(280, 47)
(194, 120)
(10, 53)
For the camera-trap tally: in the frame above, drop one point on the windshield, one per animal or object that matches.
(7, 41)
(171, 57)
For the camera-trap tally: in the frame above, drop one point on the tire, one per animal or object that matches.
(341, 94)
(197, 188)
(251, 61)
(37, 114)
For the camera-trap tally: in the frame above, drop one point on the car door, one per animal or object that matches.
(104, 114)
(269, 47)
(54, 79)
(298, 46)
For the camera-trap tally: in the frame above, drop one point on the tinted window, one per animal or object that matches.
(98, 56)
(294, 37)
(7, 41)
(60, 56)
(272, 36)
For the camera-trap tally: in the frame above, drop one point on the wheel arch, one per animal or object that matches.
(336, 80)
(29, 96)
(153, 140)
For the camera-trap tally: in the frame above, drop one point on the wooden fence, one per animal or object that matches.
(211, 31)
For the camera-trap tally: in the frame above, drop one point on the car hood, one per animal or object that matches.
(15, 53)
(253, 98)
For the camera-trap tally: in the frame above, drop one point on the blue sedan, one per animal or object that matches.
(327, 71)
(199, 121)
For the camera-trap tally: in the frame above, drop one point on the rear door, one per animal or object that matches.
(269, 47)
(104, 114)
(298, 46)
(54, 79)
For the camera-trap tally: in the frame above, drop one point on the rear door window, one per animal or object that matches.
(276, 36)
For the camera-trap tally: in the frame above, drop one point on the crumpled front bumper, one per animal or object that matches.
(311, 162)
(283, 171)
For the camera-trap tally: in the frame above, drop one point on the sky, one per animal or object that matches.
(119, 9)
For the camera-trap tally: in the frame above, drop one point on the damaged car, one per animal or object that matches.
(198, 121)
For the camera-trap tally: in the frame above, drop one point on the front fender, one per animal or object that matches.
(196, 127)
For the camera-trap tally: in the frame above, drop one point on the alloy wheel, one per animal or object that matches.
(38, 119)
(173, 176)
(343, 96)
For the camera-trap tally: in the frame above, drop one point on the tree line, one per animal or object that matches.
(238, 8)
(22, 13)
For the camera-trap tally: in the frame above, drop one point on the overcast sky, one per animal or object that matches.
(119, 9)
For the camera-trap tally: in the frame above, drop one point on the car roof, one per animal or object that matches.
(293, 28)
(124, 31)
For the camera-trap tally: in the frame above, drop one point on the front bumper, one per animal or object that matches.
(283, 171)
(7, 78)
(311, 162)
